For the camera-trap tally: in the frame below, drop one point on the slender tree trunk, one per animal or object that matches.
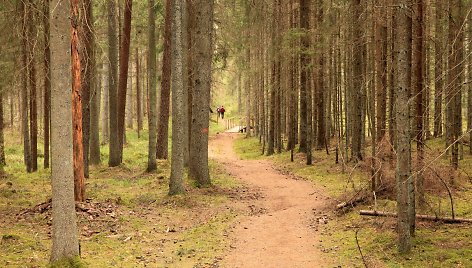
(24, 90)
(439, 78)
(94, 92)
(123, 78)
(33, 109)
(178, 99)
(95, 101)
(106, 107)
(304, 72)
(115, 138)
(402, 76)
(47, 83)
(3, 161)
(320, 92)
(163, 128)
(455, 63)
(87, 58)
(139, 110)
(469, 87)
(357, 107)
(381, 75)
(152, 165)
(129, 101)
(419, 88)
(65, 243)
(79, 180)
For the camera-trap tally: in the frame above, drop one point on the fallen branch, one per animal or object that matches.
(360, 250)
(352, 202)
(358, 197)
(418, 216)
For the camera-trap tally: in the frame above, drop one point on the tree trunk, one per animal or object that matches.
(129, 101)
(203, 40)
(139, 110)
(94, 92)
(357, 107)
(304, 72)
(106, 107)
(439, 78)
(33, 109)
(95, 101)
(152, 165)
(455, 63)
(320, 92)
(47, 83)
(178, 99)
(115, 139)
(163, 128)
(418, 88)
(87, 76)
(2, 140)
(123, 78)
(65, 243)
(24, 90)
(402, 76)
(78, 157)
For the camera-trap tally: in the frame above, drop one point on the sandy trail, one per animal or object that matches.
(278, 236)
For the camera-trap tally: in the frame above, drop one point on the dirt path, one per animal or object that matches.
(280, 234)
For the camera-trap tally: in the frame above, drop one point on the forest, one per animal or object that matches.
(236, 133)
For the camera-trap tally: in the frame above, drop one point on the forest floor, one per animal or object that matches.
(260, 212)
(282, 229)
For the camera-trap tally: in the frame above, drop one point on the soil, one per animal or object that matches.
(282, 229)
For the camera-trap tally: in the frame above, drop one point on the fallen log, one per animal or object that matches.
(351, 203)
(418, 216)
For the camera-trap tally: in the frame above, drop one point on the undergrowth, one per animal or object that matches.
(130, 221)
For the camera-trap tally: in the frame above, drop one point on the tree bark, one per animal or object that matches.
(178, 99)
(87, 76)
(402, 76)
(202, 74)
(152, 165)
(78, 157)
(304, 72)
(24, 90)
(33, 109)
(163, 128)
(106, 107)
(123, 78)
(139, 109)
(418, 87)
(95, 93)
(357, 107)
(439, 78)
(3, 161)
(47, 83)
(65, 243)
(455, 75)
(115, 139)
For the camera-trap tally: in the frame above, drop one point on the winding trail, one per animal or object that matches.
(279, 235)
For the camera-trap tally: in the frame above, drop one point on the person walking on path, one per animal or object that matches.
(222, 112)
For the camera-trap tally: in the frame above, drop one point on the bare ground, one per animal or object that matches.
(282, 230)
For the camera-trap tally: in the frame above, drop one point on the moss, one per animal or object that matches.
(74, 262)
(248, 148)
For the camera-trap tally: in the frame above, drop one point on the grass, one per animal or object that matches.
(138, 225)
(435, 244)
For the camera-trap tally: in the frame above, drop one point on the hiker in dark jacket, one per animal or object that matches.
(222, 112)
